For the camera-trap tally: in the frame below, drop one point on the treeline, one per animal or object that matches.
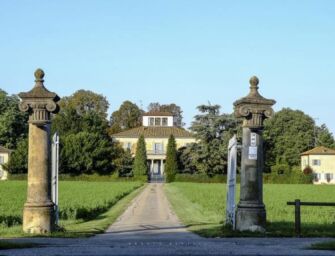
(87, 147)
(286, 136)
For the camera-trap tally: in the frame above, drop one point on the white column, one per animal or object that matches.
(162, 166)
(152, 167)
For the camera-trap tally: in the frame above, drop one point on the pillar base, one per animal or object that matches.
(38, 219)
(251, 218)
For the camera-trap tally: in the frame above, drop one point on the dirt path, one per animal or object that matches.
(149, 215)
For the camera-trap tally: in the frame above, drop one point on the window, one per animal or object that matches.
(2, 159)
(329, 176)
(158, 148)
(164, 121)
(151, 121)
(316, 162)
(157, 121)
(127, 145)
(317, 177)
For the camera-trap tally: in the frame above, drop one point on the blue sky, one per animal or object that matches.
(186, 52)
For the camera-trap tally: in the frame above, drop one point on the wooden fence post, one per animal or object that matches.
(297, 218)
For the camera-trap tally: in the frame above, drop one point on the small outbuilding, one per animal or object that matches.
(4, 158)
(322, 161)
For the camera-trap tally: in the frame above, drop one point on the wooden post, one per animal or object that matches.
(297, 218)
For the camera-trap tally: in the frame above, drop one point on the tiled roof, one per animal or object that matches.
(158, 114)
(5, 150)
(154, 132)
(319, 151)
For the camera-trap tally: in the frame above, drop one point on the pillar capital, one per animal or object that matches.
(39, 102)
(254, 108)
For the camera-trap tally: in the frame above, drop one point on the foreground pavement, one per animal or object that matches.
(149, 227)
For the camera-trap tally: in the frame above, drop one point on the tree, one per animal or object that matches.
(213, 131)
(171, 159)
(13, 122)
(124, 164)
(286, 136)
(324, 137)
(126, 117)
(18, 160)
(171, 108)
(84, 111)
(86, 102)
(140, 162)
(187, 158)
(86, 153)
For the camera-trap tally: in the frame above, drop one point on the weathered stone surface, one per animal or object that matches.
(251, 214)
(38, 216)
(254, 108)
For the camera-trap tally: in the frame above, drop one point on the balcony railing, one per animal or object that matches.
(156, 152)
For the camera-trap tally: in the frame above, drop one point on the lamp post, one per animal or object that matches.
(38, 215)
(254, 109)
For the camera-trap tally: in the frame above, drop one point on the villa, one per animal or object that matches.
(156, 129)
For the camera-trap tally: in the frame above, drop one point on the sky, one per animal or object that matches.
(174, 51)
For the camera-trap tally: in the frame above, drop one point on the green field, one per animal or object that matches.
(202, 208)
(80, 204)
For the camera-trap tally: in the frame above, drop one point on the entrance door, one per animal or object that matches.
(156, 168)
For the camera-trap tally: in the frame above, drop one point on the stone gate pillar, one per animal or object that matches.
(38, 213)
(254, 109)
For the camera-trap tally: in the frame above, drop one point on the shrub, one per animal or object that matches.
(281, 169)
(200, 178)
(295, 176)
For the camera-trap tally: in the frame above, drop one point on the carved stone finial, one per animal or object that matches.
(254, 81)
(39, 74)
(254, 107)
(39, 102)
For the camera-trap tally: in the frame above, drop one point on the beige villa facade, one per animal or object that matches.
(322, 162)
(156, 129)
(4, 157)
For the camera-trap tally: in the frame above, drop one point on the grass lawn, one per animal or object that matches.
(86, 208)
(202, 208)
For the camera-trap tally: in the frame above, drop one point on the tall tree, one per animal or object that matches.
(126, 117)
(87, 153)
(324, 137)
(84, 101)
(140, 162)
(171, 166)
(84, 111)
(171, 108)
(287, 135)
(213, 131)
(13, 122)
